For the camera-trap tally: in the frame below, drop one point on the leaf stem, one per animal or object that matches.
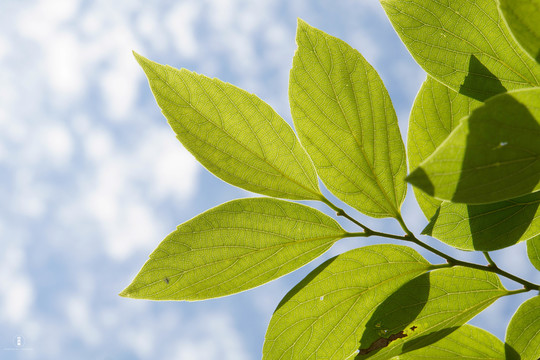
(489, 259)
(341, 212)
(492, 267)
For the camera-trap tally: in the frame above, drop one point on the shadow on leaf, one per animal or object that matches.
(480, 83)
(504, 153)
(393, 319)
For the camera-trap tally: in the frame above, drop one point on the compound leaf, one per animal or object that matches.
(533, 251)
(463, 44)
(523, 332)
(436, 111)
(443, 300)
(324, 315)
(465, 342)
(487, 227)
(492, 155)
(234, 247)
(346, 121)
(234, 134)
(522, 18)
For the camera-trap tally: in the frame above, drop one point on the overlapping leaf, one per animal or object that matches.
(487, 227)
(492, 155)
(465, 342)
(463, 44)
(234, 247)
(436, 111)
(372, 301)
(522, 18)
(234, 134)
(346, 121)
(323, 316)
(442, 300)
(533, 251)
(523, 333)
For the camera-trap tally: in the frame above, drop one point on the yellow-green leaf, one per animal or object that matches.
(523, 20)
(346, 121)
(465, 342)
(492, 155)
(324, 316)
(487, 227)
(234, 247)
(233, 133)
(436, 111)
(533, 251)
(523, 332)
(463, 44)
(441, 300)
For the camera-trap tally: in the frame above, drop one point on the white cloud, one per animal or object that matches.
(212, 336)
(180, 21)
(17, 291)
(79, 314)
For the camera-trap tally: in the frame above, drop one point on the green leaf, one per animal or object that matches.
(361, 299)
(523, 332)
(234, 134)
(465, 342)
(492, 155)
(324, 315)
(442, 299)
(522, 18)
(463, 44)
(487, 227)
(346, 121)
(533, 251)
(234, 247)
(436, 111)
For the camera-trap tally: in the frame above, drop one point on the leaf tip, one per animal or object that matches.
(420, 179)
(125, 293)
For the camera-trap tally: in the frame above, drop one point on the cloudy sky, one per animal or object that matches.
(92, 178)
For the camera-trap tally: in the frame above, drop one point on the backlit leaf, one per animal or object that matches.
(463, 44)
(523, 19)
(465, 342)
(523, 332)
(487, 227)
(533, 251)
(324, 316)
(346, 121)
(233, 133)
(436, 111)
(492, 155)
(369, 302)
(442, 300)
(234, 247)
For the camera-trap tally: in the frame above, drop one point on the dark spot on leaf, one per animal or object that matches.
(166, 280)
(414, 327)
(382, 342)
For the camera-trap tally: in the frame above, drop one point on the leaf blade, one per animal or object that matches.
(346, 121)
(463, 44)
(455, 296)
(487, 227)
(332, 286)
(522, 18)
(466, 342)
(522, 334)
(497, 142)
(436, 111)
(533, 251)
(234, 134)
(232, 248)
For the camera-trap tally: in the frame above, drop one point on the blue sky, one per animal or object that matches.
(92, 178)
